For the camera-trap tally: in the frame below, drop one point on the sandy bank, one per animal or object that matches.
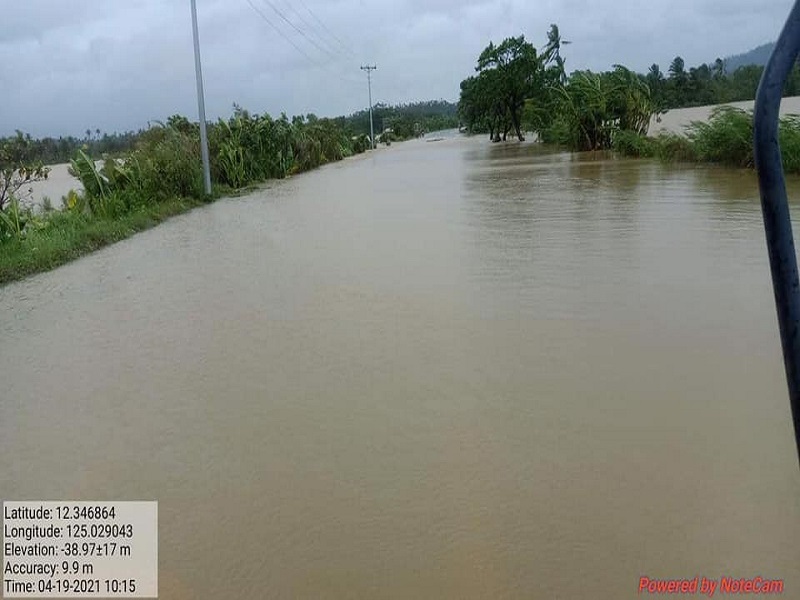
(676, 120)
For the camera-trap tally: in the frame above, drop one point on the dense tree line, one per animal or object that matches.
(708, 84)
(518, 88)
(405, 120)
(23, 148)
(510, 75)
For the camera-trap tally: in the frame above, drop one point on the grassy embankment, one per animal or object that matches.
(65, 236)
(160, 178)
(726, 139)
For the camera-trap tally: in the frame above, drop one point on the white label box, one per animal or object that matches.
(69, 549)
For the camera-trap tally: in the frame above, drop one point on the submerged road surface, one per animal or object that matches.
(444, 370)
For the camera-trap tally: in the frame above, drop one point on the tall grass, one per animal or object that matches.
(251, 148)
(162, 176)
(244, 150)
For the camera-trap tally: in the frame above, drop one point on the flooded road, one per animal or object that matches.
(445, 370)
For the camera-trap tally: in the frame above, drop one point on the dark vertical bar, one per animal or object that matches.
(775, 206)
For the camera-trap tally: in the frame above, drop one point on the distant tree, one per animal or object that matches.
(699, 90)
(657, 84)
(678, 82)
(718, 70)
(482, 107)
(552, 52)
(517, 65)
(432, 115)
(180, 123)
(18, 167)
(677, 68)
(744, 82)
(595, 107)
(793, 82)
(543, 100)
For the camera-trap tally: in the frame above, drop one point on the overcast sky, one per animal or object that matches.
(75, 64)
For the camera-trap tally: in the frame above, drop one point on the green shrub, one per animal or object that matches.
(168, 166)
(630, 143)
(359, 143)
(726, 138)
(671, 147)
(558, 132)
(13, 220)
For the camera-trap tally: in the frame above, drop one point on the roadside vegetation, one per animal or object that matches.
(135, 180)
(159, 177)
(406, 121)
(725, 139)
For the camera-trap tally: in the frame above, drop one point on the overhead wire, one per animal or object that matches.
(296, 28)
(344, 46)
(311, 27)
(266, 19)
(283, 35)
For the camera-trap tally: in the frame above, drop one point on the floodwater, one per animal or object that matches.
(57, 185)
(677, 120)
(445, 370)
(59, 182)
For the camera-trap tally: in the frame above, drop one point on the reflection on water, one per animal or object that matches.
(444, 370)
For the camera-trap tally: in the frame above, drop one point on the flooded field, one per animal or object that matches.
(444, 370)
(58, 184)
(676, 120)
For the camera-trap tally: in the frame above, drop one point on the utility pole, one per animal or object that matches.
(201, 103)
(369, 69)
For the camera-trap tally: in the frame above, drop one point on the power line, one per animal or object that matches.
(346, 47)
(283, 35)
(266, 19)
(297, 29)
(310, 26)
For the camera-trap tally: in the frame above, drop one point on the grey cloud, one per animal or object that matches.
(68, 66)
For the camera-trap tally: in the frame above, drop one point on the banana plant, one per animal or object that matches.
(84, 168)
(12, 220)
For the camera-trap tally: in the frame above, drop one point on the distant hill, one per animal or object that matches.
(757, 56)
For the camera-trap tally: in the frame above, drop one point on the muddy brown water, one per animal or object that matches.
(445, 370)
(678, 120)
